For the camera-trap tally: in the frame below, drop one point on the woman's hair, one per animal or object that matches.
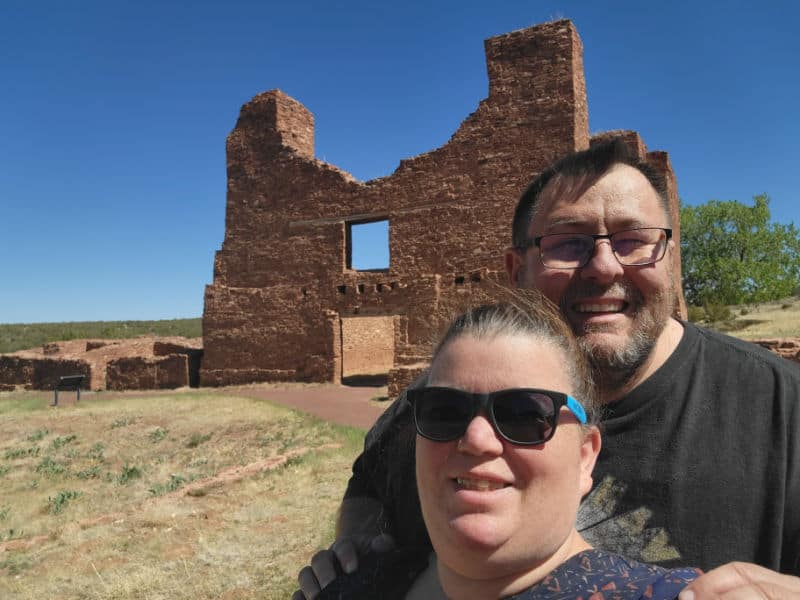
(528, 313)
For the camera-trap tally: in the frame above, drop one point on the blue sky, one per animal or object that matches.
(113, 118)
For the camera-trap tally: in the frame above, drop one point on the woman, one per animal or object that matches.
(504, 453)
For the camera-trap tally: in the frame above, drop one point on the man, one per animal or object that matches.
(701, 440)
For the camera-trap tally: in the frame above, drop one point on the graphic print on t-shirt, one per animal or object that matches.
(627, 533)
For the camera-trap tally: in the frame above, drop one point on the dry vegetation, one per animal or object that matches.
(768, 320)
(191, 495)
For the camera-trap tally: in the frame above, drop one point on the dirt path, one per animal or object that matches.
(346, 405)
(336, 403)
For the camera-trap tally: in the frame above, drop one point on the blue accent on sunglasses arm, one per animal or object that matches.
(577, 409)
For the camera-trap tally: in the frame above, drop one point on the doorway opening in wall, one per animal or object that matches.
(367, 350)
(368, 245)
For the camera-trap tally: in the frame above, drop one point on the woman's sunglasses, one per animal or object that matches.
(522, 416)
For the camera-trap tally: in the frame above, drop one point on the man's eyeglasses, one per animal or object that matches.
(523, 416)
(631, 247)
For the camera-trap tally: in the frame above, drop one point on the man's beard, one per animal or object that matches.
(614, 366)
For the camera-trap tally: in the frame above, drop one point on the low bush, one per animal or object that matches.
(718, 312)
(695, 313)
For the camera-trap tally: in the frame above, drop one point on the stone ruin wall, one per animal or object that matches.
(133, 364)
(282, 284)
(143, 373)
(38, 373)
(788, 348)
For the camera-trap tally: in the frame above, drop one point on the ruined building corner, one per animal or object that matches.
(273, 121)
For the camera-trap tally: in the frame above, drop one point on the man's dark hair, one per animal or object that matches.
(595, 161)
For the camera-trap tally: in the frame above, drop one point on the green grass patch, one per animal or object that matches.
(128, 473)
(158, 434)
(15, 563)
(175, 482)
(90, 473)
(23, 403)
(196, 439)
(15, 453)
(59, 502)
(37, 435)
(123, 422)
(97, 452)
(62, 441)
(50, 467)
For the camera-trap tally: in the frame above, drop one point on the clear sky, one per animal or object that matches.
(114, 113)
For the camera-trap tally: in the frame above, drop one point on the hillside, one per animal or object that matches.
(24, 336)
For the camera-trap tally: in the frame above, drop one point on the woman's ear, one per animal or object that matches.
(590, 448)
(513, 265)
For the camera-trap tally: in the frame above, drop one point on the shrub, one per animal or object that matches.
(50, 467)
(63, 441)
(718, 312)
(158, 434)
(61, 500)
(96, 452)
(175, 482)
(21, 452)
(196, 439)
(695, 313)
(92, 473)
(123, 422)
(37, 435)
(128, 474)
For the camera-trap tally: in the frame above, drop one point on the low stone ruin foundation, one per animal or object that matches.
(136, 364)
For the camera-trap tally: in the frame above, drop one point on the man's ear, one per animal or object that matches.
(590, 449)
(514, 264)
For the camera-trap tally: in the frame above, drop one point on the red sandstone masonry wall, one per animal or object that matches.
(281, 283)
(39, 373)
(143, 373)
(788, 348)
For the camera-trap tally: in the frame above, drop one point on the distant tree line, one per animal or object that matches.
(734, 254)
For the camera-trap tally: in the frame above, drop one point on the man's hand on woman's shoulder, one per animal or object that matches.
(742, 581)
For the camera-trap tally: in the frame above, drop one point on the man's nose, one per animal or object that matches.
(603, 266)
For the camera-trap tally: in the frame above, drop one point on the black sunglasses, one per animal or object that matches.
(523, 416)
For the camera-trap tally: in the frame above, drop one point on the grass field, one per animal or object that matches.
(768, 320)
(186, 495)
(22, 336)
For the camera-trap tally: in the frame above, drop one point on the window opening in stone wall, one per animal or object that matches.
(368, 245)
